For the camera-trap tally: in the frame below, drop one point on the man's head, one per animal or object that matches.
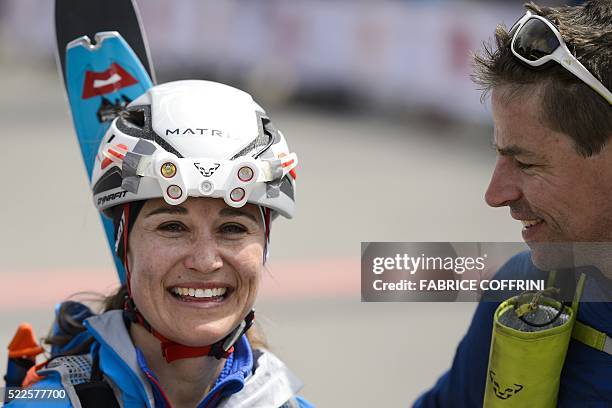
(552, 131)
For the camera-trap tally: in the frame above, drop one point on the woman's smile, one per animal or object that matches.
(207, 295)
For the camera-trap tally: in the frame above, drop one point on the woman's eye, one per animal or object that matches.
(233, 229)
(172, 227)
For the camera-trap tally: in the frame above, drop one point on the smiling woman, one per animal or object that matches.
(196, 267)
(192, 216)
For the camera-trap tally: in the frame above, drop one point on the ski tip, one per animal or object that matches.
(24, 343)
(85, 41)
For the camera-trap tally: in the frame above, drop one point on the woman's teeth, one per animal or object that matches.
(530, 223)
(199, 293)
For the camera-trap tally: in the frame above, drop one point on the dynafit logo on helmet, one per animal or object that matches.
(111, 80)
(111, 197)
(207, 171)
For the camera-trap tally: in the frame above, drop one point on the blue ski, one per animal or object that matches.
(101, 79)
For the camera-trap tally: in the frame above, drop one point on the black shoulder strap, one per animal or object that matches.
(96, 393)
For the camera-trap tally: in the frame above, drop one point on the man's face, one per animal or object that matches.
(557, 194)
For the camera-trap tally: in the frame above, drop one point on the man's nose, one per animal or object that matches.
(504, 186)
(204, 256)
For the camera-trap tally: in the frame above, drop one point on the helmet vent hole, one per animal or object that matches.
(135, 118)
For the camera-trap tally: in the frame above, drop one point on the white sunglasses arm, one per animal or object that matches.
(564, 57)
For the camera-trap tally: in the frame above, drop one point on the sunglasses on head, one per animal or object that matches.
(536, 41)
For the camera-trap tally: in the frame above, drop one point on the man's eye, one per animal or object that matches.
(172, 227)
(233, 229)
(524, 166)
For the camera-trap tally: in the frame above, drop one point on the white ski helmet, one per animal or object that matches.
(195, 139)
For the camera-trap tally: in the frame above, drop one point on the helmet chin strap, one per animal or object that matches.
(265, 217)
(172, 350)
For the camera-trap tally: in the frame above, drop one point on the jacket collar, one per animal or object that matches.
(118, 357)
(251, 378)
(270, 385)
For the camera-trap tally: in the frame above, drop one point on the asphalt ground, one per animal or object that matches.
(362, 177)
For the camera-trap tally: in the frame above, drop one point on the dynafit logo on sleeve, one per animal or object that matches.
(111, 80)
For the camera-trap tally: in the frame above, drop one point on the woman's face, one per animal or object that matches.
(195, 267)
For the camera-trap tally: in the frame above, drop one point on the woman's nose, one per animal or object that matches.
(204, 256)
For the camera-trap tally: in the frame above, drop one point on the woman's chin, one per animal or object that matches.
(196, 333)
(199, 323)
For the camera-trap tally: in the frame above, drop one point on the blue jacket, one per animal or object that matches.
(249, 377)
(586, 379)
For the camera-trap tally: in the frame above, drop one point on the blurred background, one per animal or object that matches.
(393, 141)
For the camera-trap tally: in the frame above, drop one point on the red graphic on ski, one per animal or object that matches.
(111, 80)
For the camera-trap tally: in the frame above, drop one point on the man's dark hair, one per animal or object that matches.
(568, 104)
